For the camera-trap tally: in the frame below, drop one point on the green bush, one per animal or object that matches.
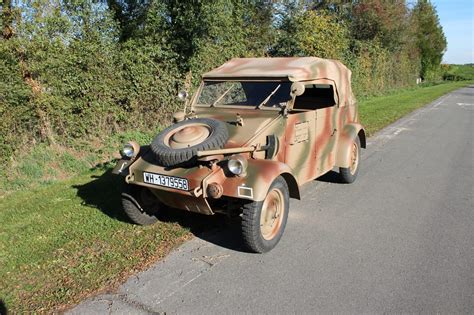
(458, 72)
(15, 110)
(313, 33)
(376, 70)
(75, 74)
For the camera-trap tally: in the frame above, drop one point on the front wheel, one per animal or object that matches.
(349, 174)
(263, 222)
(140, 205)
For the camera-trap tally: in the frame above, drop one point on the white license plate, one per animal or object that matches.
(165, 181)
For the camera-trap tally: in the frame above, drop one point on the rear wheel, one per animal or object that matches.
(140, 205)
(349, 174)
(263, 222)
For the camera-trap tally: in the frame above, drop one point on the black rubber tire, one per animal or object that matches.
(345, 172)
(140, 211)
(167, 156)
(251, 231)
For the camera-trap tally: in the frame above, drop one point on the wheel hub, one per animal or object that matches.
(272, 214)
(354, 158)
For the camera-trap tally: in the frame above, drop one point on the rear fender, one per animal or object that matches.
(348, 134)
(255, 185)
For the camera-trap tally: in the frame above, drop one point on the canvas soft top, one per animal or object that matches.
(291, 68)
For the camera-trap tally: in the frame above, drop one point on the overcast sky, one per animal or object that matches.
(457, 19)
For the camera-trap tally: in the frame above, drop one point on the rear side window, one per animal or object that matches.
(315, 96)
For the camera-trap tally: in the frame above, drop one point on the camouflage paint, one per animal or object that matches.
(330, 133)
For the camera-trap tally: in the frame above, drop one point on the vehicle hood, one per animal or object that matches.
(255, 121)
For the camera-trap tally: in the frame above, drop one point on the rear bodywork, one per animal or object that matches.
(299, 141)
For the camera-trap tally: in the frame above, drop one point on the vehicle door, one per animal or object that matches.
(317, 105)
(299, 136)
(326, 126)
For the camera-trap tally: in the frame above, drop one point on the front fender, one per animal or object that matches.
(348, 134)
(255, 185)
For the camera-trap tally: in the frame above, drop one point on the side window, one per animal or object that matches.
(315, 96)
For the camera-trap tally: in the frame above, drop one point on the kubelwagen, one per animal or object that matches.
(253, 133)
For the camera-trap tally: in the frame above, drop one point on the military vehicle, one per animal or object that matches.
(253, 133)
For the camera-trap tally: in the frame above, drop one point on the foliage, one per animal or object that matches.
(308, 34)
(204, 34)
(375, 69)
(14, 101)
(382, 21)
(430, 39)
(77, 72)
(458, 72)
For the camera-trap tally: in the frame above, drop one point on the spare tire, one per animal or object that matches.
(179, 143)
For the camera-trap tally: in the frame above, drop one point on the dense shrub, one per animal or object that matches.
(15, 109)
(77, 70)
(375, 69)
(458, 72)
(313, 33)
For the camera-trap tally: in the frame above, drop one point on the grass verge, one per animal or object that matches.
(64, 240)
(378, 112)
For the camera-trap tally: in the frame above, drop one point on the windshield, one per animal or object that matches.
(241, 93)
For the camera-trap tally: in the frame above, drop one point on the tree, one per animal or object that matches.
(381, 20)
(430, 37)
(7, 19)
(310, 33)
(130, 15)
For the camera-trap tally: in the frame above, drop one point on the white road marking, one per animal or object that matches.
(467, 106)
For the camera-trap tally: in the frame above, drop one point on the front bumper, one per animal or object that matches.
(195, 197)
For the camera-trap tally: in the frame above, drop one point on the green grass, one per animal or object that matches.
(63, 240)
(45, 164)
(378, 112)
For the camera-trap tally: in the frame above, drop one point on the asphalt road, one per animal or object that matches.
(400, 239)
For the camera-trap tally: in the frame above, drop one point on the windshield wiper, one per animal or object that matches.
(269, 96)
(222, 96)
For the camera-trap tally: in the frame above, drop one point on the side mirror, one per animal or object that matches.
(183, 95)
(297, 89)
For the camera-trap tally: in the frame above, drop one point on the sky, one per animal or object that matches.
(457, 20)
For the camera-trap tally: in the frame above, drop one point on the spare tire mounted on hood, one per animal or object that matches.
(180, 142)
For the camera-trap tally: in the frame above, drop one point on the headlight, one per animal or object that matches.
(130, 150)
(237, 165)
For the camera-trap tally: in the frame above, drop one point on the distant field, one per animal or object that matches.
(64, 240)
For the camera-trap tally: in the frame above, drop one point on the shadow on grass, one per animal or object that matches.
(3, 308)
(103, 192)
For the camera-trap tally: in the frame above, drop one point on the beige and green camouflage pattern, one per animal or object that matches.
(294, 69)
(312, 142)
